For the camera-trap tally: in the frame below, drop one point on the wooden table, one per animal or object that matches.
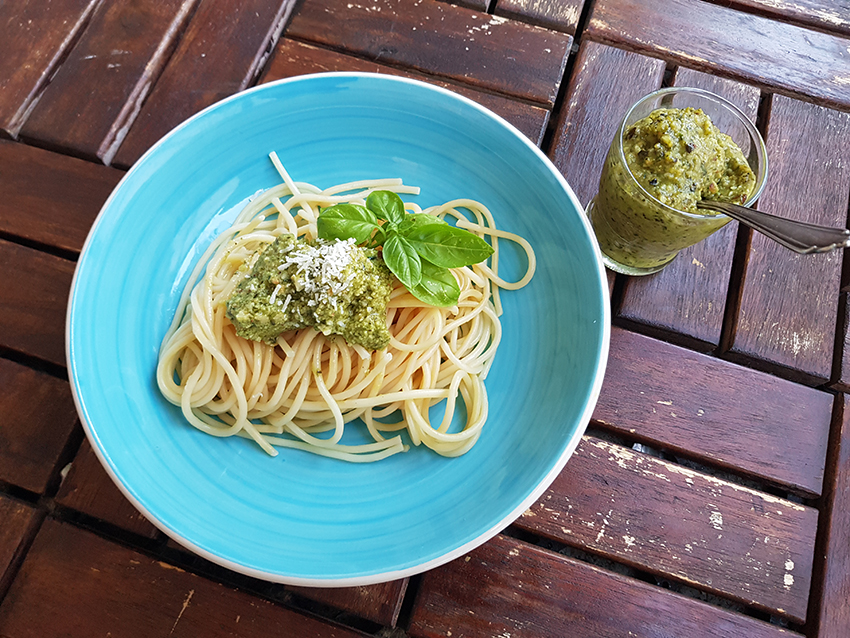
(711, 494)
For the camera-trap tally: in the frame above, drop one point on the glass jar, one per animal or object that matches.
(639, 234)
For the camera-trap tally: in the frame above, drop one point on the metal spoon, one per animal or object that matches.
(798, 236)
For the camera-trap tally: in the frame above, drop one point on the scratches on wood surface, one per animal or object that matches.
(682, 524)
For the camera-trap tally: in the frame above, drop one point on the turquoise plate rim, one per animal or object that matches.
(496, 526)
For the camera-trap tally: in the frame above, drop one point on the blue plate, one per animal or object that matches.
(300, 518)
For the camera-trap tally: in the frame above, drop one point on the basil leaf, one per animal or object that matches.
(415, 220)
(386, 205)
(448, 246)
(437, 287)
(344, 221)
(402, 260)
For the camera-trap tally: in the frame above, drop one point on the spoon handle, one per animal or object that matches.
(798, 236)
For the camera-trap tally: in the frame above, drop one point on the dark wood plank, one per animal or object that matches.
(380, 603)
(49, 198)
(787, 312)
(36, 36)
(478, 5)
(688, 297)
(33, 297)
(18, 523)
(38, 419)
(828, 15)
(77, 584)
(597, 98)
(612, 279)
(833, 590)
(509, 588)
(715, 411)
(444, 40)
(752, 48)
(117, 59)
(221, 53)
(87, 488)
(292, 58)
(561, 15)
(727, 539)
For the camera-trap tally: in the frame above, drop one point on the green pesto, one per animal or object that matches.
(351, 303)
(678, 157)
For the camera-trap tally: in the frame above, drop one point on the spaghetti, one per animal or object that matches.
(308, 384)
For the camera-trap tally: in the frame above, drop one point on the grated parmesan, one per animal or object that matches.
(320, 270)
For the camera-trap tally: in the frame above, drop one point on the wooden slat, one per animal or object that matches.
(379, 603)
(18, 523)
(49, 198)
(442, 39)
(829, 15)
(611, 277)
(88, 586)
(510, 588)
(221, 53)
(478, 5)
(293, 58)
(38, 417)
(731, 43)
(787, 315)
(87, 488)
(597, 98)
(730, 540)
(33, 296)
(562, 15)
(36, 36)
(98, 89)
(688, 297)
(715, 411)
(833, 617)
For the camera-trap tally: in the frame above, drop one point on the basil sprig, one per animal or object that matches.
(418, 248)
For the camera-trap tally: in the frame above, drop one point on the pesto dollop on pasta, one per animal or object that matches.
(334, 286)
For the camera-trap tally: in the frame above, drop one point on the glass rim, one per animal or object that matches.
(748, 124)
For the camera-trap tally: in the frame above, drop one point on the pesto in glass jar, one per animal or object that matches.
(656, 171)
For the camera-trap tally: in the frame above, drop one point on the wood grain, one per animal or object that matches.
(222, 52)
(49, 198)
(596, 101)
(444, 40)
(88, 586)
(33, 297)
(828, 15)
(87, 488)
(561, 15)
(785, 320)
(97, 91)
(36, 37)
(724, 538)
(688, 297)
(805, 63)
(18, 523)
(833, 614)
(292, 58)
(715, 411)
(510, 588)
(38, 418)
(380, 603)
